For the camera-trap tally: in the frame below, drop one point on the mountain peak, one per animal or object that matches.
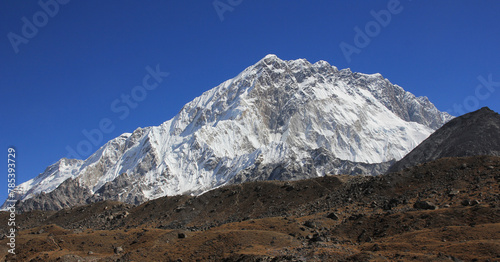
(269, 59)
(272, 62)
(485, 110)
(271, 56)
(275, 120)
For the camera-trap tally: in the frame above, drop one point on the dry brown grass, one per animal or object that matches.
(287, 221)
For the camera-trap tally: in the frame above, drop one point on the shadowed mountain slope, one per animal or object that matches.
(473, 134)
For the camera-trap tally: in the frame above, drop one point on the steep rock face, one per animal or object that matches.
(275, 120)
(69, 193)
(397, 100)
(50, 179)
(473, 134)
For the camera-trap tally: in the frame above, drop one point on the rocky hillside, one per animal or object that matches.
(473, 134)
(444, 210)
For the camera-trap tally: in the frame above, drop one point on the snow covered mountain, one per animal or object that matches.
(275, 120)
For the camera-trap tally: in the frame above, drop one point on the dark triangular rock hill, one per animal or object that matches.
(473, 134)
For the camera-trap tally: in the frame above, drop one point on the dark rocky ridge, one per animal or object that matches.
(71, 194)
(473, 134)
(436, 181)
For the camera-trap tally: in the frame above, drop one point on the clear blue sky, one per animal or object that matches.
(86, 54)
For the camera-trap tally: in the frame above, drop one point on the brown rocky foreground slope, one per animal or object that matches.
(445, 210)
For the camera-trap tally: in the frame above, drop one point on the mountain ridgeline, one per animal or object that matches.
(276, 120)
